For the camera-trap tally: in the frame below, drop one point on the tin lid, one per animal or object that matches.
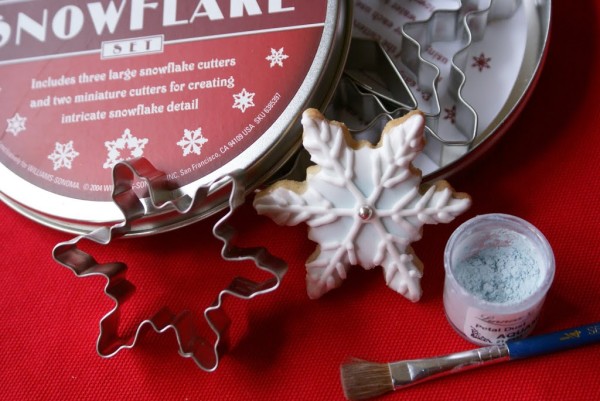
(198, 88)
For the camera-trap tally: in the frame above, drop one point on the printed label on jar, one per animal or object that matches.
(487, 329)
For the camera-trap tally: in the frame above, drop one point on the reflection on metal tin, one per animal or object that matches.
(199, 88)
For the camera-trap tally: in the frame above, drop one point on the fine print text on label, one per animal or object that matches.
(84, 98)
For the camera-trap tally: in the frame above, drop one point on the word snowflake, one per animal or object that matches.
(16, 124)
(126, 142)
(276, 57)
(363, 204)
(481, 62)
(63, 155)
(243, 100)
(192, 141)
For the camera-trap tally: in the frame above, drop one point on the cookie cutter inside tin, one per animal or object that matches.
(369, 93)
(372, 69)
(474, 16)
(465, 25)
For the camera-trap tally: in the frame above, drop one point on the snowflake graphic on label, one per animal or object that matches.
(127, 143)
(243, 100)
(478, 336)
(63, 155)
(276, 57)
(481, 62)
(450, 114)
(192, 141)
(16, 124)
(364, 204)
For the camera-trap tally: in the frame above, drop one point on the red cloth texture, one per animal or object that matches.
(284, 346)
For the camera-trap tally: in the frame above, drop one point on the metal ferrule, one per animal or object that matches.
(407, 373)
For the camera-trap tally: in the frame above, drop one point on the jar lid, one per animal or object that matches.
(200, 89)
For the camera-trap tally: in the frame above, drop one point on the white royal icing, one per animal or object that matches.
(363, 203)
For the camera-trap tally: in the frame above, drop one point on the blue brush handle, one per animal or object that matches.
(552, 342)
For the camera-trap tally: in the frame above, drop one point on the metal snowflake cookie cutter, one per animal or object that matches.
(373, 70)
(205, 353)
(372, 89)
(465, 25)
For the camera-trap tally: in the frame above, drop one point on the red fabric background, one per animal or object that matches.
(287, 347)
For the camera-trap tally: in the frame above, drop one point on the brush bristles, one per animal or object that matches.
(364, 379)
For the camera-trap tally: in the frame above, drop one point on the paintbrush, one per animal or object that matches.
(364, 379)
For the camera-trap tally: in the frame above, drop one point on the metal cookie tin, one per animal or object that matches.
(204, 88)
(198, 88)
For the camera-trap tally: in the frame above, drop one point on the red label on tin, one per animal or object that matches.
(187, 84)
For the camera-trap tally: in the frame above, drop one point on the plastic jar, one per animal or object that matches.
(498, 271)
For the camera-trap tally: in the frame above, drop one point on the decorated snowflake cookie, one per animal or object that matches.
(364, 204)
